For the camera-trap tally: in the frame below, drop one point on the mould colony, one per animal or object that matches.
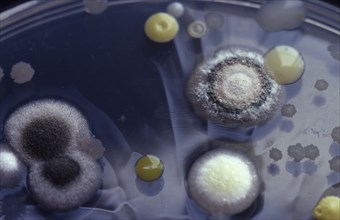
(223, 181)
(45, 134)
(236, 88)
(240, 88)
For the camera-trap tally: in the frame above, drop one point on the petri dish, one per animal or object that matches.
(96, 56)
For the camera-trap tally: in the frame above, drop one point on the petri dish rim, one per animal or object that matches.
(70, 8)
(31, 14)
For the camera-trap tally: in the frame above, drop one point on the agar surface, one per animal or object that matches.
(235, 89)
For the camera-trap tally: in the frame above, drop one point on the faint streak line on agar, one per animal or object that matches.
(39, 23)
(321, 25)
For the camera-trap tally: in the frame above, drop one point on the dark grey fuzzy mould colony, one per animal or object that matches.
(234, 89)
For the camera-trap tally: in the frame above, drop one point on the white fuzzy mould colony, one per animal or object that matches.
(272, 16)
(10, 168)
(95, 6)
(36, 110)
(22, 72)
(197, 29)
(223, 181)
(234, 89)
(176, 9)
(70, 196)
(8, 161)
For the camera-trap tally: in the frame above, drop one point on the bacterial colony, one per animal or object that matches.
(50, 150)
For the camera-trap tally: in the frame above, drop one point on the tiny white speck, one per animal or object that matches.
(176, 9)
(8, 161)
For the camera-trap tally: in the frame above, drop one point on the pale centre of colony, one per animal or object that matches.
(238, 84)
(225, 176)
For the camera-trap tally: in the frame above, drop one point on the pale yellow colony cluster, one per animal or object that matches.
(328, 208)
(285, 63)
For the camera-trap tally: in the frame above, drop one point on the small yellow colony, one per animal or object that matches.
(285, 63)
(161, 27)
(327, 209)
(149, 168)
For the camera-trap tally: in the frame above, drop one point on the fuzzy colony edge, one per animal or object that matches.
(235, 88)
